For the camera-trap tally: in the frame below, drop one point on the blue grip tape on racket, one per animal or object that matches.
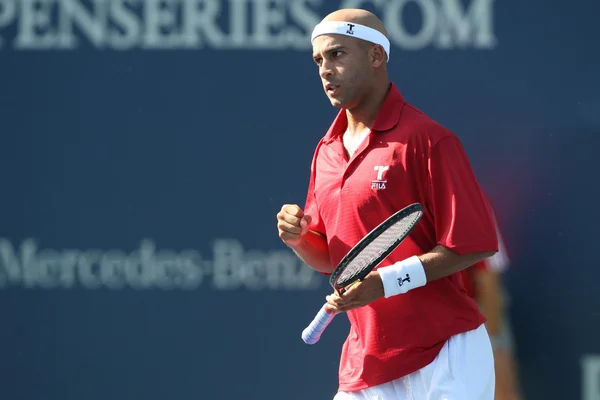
(312, 333)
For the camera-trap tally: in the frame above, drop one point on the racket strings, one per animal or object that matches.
(375, 249)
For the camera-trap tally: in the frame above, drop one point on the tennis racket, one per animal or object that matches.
(367, 254)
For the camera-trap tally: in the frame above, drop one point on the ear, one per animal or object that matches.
(377, 56)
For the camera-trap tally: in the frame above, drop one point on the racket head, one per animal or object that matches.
(372, 249)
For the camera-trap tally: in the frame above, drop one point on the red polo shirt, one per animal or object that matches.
(406, 158)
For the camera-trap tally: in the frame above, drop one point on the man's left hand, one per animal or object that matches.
(360, 294)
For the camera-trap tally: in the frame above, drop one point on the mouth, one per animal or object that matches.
(331, 89)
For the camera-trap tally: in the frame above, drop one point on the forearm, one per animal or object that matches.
(490, 299)
(414, 272)
(441, 262)
(314, 252)
(491, 309)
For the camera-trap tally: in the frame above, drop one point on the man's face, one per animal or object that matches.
(344, 68)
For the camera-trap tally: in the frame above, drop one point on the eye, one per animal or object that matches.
(318, 60)
(337, 53)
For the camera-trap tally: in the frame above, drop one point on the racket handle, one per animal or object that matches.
(312, 333)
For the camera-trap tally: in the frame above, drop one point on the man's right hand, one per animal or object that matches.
(292, 224)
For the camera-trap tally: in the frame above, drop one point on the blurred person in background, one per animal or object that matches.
(483, 282)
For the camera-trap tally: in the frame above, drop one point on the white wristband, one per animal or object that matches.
(402, 276)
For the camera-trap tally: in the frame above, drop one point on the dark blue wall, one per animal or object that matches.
(141, 175)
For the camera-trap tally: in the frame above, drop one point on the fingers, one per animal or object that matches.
(333, 304)
(305, 223)
(357, 294)
(303, 226)
(292, 223)
(341, 301)
(288, 220)
(336, 305)
(291, 227)
(330, 309)
(350, 290)
(292, 209)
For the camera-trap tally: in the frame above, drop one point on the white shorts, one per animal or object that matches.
(463, 370)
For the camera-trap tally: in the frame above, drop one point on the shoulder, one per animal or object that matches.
(318, 154)
(319, 145)
(419, 129)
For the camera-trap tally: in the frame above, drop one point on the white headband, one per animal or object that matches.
(354, 30)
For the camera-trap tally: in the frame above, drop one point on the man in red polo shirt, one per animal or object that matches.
(424, 339)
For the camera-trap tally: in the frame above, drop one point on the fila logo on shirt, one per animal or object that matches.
(401, 281)
(379, 183)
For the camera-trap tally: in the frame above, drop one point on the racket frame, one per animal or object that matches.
(366, 240)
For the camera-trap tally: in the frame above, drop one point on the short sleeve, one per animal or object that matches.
(462, 217)
(310, 207)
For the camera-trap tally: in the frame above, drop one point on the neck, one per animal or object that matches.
(363, 116)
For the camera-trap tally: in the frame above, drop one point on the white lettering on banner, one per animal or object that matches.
(231, 268)
(8, 13)
(590, 377)
(474, 28)
(229, 24)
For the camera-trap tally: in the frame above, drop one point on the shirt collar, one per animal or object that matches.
(387, 117)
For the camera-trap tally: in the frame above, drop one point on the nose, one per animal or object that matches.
(326, 69)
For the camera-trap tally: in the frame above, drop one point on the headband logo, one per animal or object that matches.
(350, 31)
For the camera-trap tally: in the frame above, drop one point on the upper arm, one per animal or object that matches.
(462, 217)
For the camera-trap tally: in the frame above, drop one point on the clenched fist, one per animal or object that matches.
(292, 224)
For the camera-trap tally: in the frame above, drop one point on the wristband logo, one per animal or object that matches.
(401, 281)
